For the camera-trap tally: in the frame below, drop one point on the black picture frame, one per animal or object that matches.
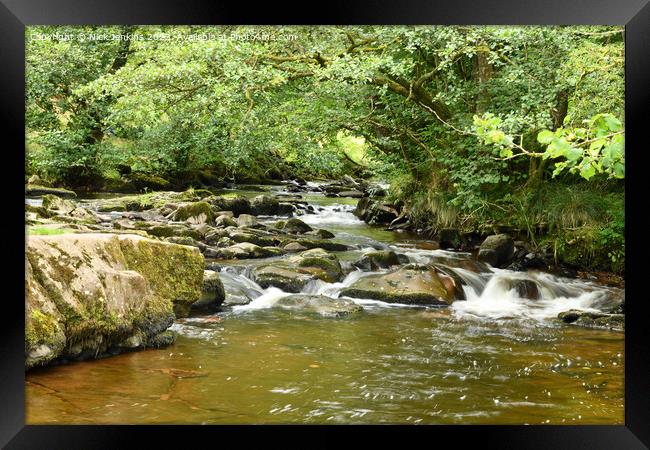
(16, 14)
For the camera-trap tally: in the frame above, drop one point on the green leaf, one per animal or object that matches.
(587, 171)
(545, 137)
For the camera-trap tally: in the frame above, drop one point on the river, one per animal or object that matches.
(494, 358)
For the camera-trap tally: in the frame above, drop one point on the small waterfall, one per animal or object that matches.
(332, 215)
(501, 299)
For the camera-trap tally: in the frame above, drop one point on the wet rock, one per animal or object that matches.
(318, 262)
(292, 274)
(243, 250)
(296, 226)
(167, 230)
(411, 284)
(375, 212)
(34, 190)
(529, 261)
(523, 287)
(352, 194)
(246, 220)
(497, 250)
(591, 319)
(214, 236)
(377, 260)
(324, 244)
(265, 205)
(237, 205)
(182, 240)
(248, 237)
(197, 213)
(323, 234)
(294, 247)
(282, 278)
(462, 263)
(319, 304)
(225, 221)
(449, 238)
(57, 204)
(213, 293)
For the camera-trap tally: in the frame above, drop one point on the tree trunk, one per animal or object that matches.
(484, 73)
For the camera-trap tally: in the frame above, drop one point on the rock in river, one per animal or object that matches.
(213, 293)
(497, 250)
(411, 284)
(319, 304)
(87, 294)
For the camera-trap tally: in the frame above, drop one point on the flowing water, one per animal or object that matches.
(494, 358)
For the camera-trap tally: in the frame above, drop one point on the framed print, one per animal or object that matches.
(409, 215)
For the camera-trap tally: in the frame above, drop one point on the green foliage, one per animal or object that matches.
(468, 123)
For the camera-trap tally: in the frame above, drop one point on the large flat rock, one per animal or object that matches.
(91, 293)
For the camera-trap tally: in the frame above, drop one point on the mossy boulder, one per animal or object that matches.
(265, 205)
(213, 293)
(282, 277)
(197, 213)
(262, 241)
(323, 265)
(323, 234)
(293, 247)
(59, 205)
(296, 226)
(237, 205)
(167, 230)
(142, 180)
(88, 294)
(377, 260)
(292, 274)
(411, 284)
(322, 243)
(497, 250)
(36, 190)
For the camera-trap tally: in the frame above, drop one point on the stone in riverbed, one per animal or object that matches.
(246, 220)
(320, 263)
(253, 239)
(319, 304)
(58, 204)
(293, 247)
(36, 190)
(351, 194)
(291, 275)
(225, 221)
(282, 278)
(411, 284)
(377, 260)
(86, 293)
(323, 234)
(197, 212)
(324, 244)
(497, 250)
(591, 319)
(296, 226)
(213, 293)
(243, 250)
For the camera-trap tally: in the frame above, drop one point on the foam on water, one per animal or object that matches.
(332, 215)
(499, 300)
